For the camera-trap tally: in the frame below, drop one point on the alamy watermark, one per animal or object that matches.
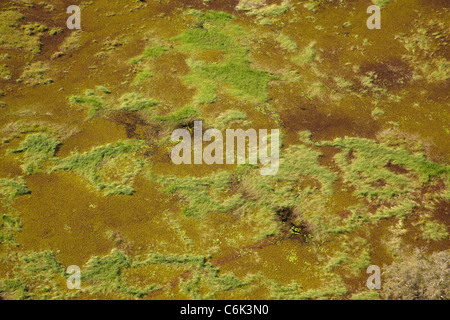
(374, 281)
(74, 281)
(374, 21)
(235, 140)
(74, 21)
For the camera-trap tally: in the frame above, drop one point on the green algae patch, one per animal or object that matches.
(10, 223)
(110, 168)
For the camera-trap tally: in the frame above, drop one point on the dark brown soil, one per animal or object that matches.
(390, 73)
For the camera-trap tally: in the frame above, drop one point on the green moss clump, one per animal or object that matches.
(111, 167)
(151, 52)
(244, 81)
(202, 194)
(5, 74)
(103, 89)
(206, 39)
(94, 102)
(35, 74)
(229, 116)
(143, 75)
(434, 231)
(11, 189)
(186, 113)
(37, 148)
(212, 16)
(371, 165)
(205, 281)
(71, 42)
(307, 56)
(12, 38)
(37, 276)
(287, 43)
(135, 102)
(104, 274)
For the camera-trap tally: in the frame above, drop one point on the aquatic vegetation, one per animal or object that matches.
(434, 231)
(371, 163)
(9, 227)
(19, 128)
(103, 89)
(286, 43)
(205, 39)
(93, 101)
(110, 168)
(142, 76)
(135, 102)
(202, 194)
(334, 288)
(37, 276)
(184, 114)
(97, 103)
(244, 80)
(306, 56)
(71, 42)
(230, 117)
(381, 3)
(103, 274)
(151, 52)
(204, 277)
(35, 74)
(36, 148)
(366, 295)
(5, 74)
(12, 38)
(34, 28)
(11, 189)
